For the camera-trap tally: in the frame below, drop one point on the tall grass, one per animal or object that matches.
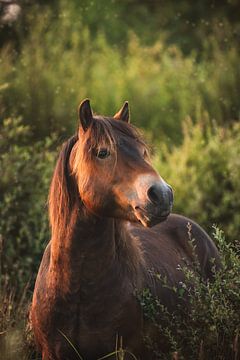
(15, 338)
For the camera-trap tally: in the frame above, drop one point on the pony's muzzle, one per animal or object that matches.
(156, 204)
(161, 195)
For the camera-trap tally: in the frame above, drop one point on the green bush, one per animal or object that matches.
(25, 175)
(204, 173)
(60, 63)
(206, 323)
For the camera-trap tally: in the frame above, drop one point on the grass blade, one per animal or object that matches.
(71, 344)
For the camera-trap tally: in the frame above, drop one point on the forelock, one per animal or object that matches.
(106, 132)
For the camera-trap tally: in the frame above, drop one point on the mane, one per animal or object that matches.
(106, 130)
(63, 195)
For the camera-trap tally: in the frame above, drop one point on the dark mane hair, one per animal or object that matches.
(63, 193)
(62, 190)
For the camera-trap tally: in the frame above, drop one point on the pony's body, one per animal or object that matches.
(85, 292)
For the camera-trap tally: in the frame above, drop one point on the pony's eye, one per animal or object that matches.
(103, 153)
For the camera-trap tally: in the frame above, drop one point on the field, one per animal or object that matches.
(178, 66)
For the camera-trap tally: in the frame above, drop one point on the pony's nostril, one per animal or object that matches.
(161, 195)
(154, 195)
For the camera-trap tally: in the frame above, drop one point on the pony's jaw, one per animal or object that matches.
(147, 218)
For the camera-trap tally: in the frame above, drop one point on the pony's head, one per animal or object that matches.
(114, 175)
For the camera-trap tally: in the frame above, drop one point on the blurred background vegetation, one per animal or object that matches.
(177, 63)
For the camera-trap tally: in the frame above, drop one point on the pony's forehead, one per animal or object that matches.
(102, 117)
(108, 129)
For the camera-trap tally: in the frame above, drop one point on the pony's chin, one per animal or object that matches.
(149, 220)
(154, 222)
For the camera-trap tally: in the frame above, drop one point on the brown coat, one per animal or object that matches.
(99, 257)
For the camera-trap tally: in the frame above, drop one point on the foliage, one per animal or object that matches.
(25, 173)
(172, 61)
(45, 80)
(181, 22)
(207, 326)
(204, 173)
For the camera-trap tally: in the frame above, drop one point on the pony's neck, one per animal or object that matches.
(90, 248)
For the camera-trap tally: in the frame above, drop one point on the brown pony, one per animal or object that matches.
(111, 229)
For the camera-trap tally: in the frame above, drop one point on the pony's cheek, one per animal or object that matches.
(94, 201)
(92, 204)
(124, 196)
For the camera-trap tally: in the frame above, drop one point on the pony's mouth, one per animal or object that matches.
(148, 219)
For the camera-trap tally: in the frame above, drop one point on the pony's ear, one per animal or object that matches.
(123, 114)
(85, 114)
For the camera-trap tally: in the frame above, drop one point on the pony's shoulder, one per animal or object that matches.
(182, 234)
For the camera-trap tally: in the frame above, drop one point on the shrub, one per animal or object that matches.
(204, 173)
(208, 325)
(50, 74)
(25, 174)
